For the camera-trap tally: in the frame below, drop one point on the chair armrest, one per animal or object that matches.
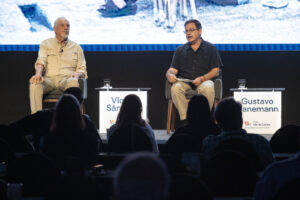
(83, 86)
(218, 89)
(168, 86)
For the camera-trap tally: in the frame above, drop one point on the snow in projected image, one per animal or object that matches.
(250, 21)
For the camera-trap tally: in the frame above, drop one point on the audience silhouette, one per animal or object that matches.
(141, 175)
(275, 176)
(17, 143)
(206, 158)
(188, 138)
(228, 115)
(286, 139)
(37, 173)
(289, 191)
(184, 186)
(68, 136)
(38, 124)
(131, 132)
(229, 173)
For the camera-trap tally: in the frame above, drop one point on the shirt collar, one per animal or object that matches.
(203, 43)
(64, 42)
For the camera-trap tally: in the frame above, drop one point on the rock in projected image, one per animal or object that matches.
(35, 16)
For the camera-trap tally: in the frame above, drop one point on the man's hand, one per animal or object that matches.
(172, 78)
(197, 81)
(76, 75)
(36, 79)
(171, 75)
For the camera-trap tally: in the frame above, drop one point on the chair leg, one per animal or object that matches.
(169, 117)
(82, 108)
(214, 107)
(173, 118)
(216, 103)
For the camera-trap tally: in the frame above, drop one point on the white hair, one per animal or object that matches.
(59, 18)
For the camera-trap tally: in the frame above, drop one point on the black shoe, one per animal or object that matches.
(111, 10)
(184, 122)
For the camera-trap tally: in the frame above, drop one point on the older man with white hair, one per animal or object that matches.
(59, 65)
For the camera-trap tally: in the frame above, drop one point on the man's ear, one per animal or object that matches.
(200, 31)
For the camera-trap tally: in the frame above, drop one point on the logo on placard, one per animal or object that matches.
(112, 122)
(261, 124)
(257, 124)
(247, 123)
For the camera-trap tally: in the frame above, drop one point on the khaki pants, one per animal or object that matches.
(36, 91)
(178, 90)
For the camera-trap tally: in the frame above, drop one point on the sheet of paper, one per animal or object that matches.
(185, 80)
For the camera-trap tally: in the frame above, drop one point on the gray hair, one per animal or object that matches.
(59, 18)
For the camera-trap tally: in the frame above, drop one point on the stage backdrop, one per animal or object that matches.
(147, 69)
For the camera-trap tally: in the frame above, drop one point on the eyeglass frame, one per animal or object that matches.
(190, 30)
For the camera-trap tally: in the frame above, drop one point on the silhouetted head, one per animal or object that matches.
(198, 112)
(67, 115)
(131, 110)
(76, 92)
(141, 176)
(228, 114)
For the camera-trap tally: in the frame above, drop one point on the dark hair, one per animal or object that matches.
(196, 22)
(67, 115)
(76, 91)
(228, 114)
(198, 112)
(131, 111)
(141, 175)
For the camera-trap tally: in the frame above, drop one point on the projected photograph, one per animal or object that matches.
(152, 21)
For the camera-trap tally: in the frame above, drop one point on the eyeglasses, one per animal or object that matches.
(190, 30)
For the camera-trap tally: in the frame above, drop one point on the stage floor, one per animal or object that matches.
(161, 136)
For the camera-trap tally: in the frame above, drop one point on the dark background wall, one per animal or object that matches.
(147, 69)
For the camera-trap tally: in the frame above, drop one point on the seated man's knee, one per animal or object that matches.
(33, 86)
(72, 82)
(207, 90)
(176, 88)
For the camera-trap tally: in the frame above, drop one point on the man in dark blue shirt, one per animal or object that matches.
(194, 66)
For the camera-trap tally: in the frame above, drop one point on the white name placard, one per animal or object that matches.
(261, 110)
(110, 104)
